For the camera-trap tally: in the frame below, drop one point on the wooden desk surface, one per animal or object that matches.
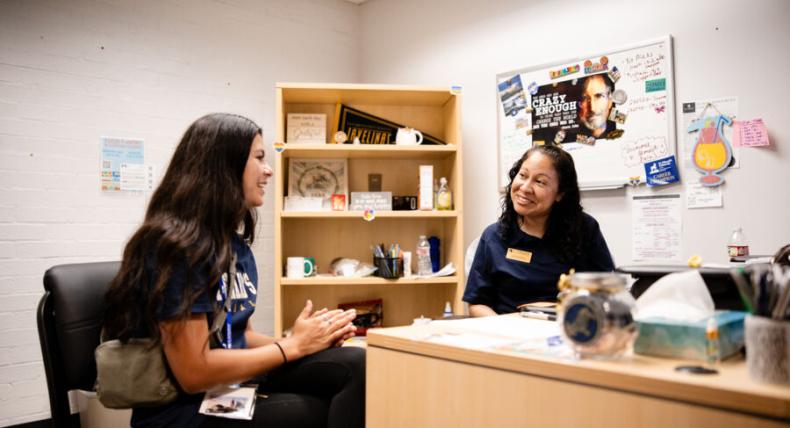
(730, 389)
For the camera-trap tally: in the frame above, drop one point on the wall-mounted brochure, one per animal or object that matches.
(116, 152)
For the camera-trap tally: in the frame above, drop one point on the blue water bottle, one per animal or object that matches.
(434, 243)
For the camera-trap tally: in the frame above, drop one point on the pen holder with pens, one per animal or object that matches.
(768, 349)
(388, 267)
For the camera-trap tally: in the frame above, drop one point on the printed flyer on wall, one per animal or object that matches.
(116, 152)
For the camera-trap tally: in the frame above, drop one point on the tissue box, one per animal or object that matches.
(686, 340)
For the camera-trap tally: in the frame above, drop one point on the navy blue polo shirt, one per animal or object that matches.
(503, 283)
(183, 412)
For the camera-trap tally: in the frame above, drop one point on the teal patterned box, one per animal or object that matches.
(667, 338)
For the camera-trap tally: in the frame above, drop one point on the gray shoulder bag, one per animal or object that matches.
(133, 374)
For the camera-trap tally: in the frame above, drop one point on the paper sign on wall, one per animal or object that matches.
(699, 196)
(656, 227)
(114, 153)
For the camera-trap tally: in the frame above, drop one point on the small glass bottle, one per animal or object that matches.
(423, 252)
(444, 198)
(737, 247)
(712, 335)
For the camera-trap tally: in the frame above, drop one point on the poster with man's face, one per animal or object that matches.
(575, 110)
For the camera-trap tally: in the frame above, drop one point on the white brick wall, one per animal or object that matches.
(73, 71)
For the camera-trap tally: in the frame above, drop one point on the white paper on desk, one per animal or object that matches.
(469, 340)
(515, 327)
(447, 270)
(656, 227)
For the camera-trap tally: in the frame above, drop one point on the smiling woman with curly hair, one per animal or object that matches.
(542, 233)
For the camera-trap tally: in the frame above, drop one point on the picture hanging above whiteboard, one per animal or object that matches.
(612, 111)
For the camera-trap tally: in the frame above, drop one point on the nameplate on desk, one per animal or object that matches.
(519, 255)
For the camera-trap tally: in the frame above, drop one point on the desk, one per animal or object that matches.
(412, 381)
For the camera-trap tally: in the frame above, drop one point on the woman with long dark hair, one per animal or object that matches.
(190, 256)
(542, 233)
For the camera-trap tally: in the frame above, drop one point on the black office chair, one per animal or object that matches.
(70, 316)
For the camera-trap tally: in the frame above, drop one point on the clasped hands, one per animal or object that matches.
(315, 331)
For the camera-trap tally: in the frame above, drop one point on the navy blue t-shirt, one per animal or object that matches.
(183, 412)
(503, 283)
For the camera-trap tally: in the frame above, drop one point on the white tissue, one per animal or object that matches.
(680, 296)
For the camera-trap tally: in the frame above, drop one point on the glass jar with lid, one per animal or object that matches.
(596, 314)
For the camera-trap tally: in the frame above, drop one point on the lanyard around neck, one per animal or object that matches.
(228, 292)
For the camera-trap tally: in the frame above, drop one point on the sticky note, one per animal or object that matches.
(753, 133)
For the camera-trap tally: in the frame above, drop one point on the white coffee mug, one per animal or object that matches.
(294, 267)
(408, 136)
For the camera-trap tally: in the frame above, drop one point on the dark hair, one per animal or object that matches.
(565, 223)
(189, 222)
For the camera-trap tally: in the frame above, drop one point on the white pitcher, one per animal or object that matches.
(408, 136)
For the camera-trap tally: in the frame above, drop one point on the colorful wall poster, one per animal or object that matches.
(705, 113)
(114, 153)
(612, 111)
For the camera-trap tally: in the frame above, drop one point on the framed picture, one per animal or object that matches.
(306, 128)
(318, 178)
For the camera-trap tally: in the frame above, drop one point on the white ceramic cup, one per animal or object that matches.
(294, 267)
(767, 349)
(408, 136)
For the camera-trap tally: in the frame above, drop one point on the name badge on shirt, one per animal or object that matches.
(519, 255)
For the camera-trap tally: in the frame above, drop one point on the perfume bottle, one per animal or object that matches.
(444, 198)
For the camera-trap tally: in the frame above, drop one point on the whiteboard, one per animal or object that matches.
(612, 111)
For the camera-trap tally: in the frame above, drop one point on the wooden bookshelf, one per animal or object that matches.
(332, 234)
